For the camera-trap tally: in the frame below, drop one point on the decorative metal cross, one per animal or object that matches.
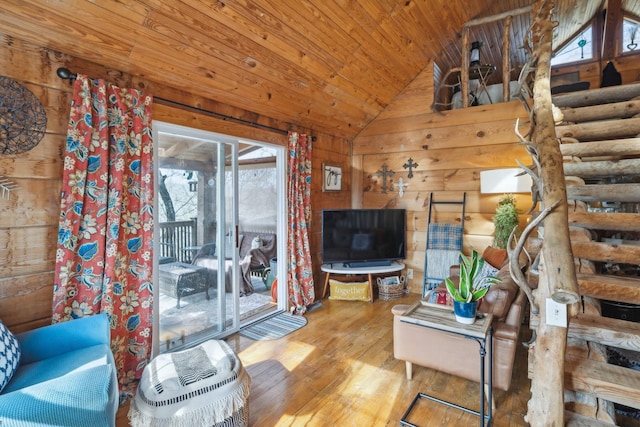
(401, 186)
(410, 165)
(384, 173)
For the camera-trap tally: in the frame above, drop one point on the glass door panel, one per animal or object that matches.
(197, 261)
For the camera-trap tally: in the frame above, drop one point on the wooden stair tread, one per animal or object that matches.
(604, 330)
(604, 192)
(604, 95)
(610, 147)
(603, 168)
(613, 383)
(603, 129)
(606, 252)
(621, 221)
(571, 419)
(616, 288)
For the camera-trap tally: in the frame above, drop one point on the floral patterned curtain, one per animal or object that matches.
(104, 252)
(300, 271)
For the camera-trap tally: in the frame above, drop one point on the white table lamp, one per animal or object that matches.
(504, 181)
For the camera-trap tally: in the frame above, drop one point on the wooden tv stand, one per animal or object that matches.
(339, 268)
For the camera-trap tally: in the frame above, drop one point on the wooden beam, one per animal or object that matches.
(188, 165)
(557, 270)
(615, 288)
(610, 382)
(605, 220)
(622, 147)
(506, 59)
(464, 70)
(498, 16)
(597, 96)
(612, 37)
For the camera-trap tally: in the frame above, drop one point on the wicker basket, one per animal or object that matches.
(388, 292)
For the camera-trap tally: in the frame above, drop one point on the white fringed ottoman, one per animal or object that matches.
(202, 386)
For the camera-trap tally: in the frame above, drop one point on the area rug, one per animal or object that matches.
(273, 327)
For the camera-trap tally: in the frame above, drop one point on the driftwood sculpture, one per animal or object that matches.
(556, 264)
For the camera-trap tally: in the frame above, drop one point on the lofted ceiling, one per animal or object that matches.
(327, 65)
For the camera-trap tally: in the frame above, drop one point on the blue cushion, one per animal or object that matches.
(55, 367)
(77, 399)
(9, 355)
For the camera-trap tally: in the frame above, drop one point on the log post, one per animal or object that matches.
(464, 70)
(557, 270)
(506, 59)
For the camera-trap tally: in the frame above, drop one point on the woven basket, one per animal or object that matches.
(390, 292)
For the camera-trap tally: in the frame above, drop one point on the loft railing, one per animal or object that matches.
(178, 240)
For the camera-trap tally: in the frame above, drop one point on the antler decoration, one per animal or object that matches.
(532, 171)
(536, 196)
(514, 255)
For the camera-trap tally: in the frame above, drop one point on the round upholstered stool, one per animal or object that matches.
(203, 386)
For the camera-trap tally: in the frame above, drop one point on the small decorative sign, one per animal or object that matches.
(331, 177)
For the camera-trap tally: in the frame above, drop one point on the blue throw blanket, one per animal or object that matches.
(76, 399)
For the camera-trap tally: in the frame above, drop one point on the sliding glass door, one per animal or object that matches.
(220, 214)
(197, 268)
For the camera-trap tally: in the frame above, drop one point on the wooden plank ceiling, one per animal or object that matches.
(328, 65)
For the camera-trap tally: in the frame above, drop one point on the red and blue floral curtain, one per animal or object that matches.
(300, 271)
(105, 239)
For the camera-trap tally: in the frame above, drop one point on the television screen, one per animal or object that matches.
(363, 235)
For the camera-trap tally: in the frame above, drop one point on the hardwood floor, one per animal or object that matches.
(339, 370)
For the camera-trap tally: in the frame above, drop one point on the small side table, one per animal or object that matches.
(481, 331)
(191, 251)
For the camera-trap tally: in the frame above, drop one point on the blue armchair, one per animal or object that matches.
(66, 377)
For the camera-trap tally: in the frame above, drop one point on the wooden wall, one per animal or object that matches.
(29, 219)
(451, 149)
(628, 65)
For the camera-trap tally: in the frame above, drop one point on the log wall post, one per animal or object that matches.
(506, 59)
(464, 71)
(557, 271)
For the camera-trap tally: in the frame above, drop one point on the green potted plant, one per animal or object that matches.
(473, 285)
(505, 220)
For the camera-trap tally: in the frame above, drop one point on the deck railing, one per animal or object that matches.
(176, 239)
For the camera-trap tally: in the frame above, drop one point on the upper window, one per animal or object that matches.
(578, 49)
(630, 35)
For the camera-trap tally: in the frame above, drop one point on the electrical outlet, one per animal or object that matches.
(409, 273)
(556, 313)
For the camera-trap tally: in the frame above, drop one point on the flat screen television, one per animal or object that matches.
(363, 237)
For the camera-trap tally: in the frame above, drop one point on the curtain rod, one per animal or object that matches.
(66, 74)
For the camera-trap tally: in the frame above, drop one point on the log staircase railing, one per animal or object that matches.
(599, 141)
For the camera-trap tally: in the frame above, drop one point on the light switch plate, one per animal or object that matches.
(556, 313)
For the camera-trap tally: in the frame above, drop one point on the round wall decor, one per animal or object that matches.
(23, 121)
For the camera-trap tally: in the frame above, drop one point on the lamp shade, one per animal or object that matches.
(500, 181)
